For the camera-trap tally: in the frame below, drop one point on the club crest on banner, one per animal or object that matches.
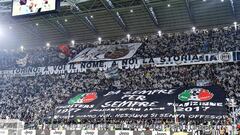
(116, 53)
(83, 98)
(195, 94)
(225, 56)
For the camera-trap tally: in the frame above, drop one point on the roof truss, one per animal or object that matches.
(151, 13)
(116, 15)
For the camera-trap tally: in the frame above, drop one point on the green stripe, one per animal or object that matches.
(76, 98)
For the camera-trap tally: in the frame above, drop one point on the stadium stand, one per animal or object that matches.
(31, 98)
(160, 80)
(169, 44)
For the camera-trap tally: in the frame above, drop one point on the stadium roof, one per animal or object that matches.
(85, 20)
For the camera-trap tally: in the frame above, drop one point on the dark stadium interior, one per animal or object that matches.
(175, 18)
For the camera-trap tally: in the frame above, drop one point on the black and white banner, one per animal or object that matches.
(107, 52)
(207, 102)
(122, 64)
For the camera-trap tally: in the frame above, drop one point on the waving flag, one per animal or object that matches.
(22, 62)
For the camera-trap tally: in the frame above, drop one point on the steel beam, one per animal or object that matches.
(189, 10)
(151, 13)
(233, 9)
(86, 21)
(9, 3)
(57, 25)
(116, 15)
(81, 18)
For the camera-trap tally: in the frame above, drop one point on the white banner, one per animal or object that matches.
(89, 132)
(160, 133)
(107, 52)
(181, 133)
(122, 64)
(3, 132)
(195, 59)
(28, 132)
(123, 132)
(57, 132)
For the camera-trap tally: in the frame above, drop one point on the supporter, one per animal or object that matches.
(203, 41)
(32, 98)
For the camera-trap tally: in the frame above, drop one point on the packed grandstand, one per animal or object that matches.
(32, 98)
(162, 83)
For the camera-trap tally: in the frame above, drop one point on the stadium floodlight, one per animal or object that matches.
(159, 33)
(48, 44)
(100, 40)
(194, 29)
(65, 20)
(91, 16)
(72, 42)
(1, 33)
(128, 37)
(131, 11)
(169, 5)
(222, 0)
(204, 0)
(235, 25)
(36, 24)
(21, 47)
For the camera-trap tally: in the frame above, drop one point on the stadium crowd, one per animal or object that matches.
(32, 98)
(169, 44)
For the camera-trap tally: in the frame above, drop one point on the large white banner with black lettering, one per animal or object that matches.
(122, 64)
(107, 52)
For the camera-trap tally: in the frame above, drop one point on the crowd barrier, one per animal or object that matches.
(214, 129)
(94, 132)
(108, 132)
